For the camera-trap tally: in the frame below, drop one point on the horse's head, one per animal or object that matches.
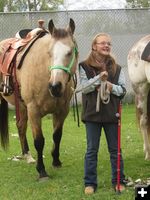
(63, 57)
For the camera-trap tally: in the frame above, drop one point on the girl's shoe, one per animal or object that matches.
(89, 190)
(120, 189)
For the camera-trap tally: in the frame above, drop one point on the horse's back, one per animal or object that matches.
(137, 67)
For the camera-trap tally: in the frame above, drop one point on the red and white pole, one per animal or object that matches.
(119, 148)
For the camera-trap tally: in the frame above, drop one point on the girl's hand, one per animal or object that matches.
(103, 76)
(109, 86)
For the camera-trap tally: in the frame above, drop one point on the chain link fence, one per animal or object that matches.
(125, 26)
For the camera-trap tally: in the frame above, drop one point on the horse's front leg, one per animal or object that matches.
(39, 141)
(39, 145)
(22, 128)
(57, 135)
(56, 146)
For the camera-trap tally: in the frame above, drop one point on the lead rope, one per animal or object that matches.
(75, 101)
(16, 91)
(103, 95)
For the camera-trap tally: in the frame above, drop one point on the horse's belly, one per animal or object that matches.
(10, 99)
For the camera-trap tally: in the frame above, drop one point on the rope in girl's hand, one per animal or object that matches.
(103, 94)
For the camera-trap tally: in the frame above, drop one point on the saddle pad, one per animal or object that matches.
(5, 60)
(146, 53)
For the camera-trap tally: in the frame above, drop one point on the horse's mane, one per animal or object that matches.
(60, 33)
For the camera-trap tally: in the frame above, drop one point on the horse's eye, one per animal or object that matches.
(49, 53)
(69, 53)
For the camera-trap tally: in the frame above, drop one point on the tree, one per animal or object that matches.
(29, 5)
(138, 3)
(2, 5)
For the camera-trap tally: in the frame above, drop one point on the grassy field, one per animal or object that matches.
(18, 180)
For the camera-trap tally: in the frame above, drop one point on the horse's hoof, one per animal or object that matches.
(147, 156)
(57, 164)
(43, 176)
(29, 159)
(42, 179)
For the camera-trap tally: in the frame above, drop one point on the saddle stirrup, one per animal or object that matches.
(6, 85)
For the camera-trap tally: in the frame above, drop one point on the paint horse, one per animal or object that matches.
(139, 73)
(45, 85)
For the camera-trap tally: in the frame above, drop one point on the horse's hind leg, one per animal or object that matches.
(22, 128)
(141, 103)
(148, 124)
(143, 125)
(4, 133)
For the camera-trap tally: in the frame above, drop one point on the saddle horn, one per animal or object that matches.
(41, 23)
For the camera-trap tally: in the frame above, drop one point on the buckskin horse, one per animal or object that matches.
(42, 84)
(139, 73)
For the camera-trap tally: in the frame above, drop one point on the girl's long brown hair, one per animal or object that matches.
(110, 60)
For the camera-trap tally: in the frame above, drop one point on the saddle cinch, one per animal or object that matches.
(9, 50)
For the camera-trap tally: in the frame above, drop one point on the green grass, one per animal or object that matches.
(18, 180)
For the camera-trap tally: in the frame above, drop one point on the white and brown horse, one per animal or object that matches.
(139, 73)
(45, 86)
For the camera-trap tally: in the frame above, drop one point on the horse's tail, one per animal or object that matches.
(148, 115)
(4, 135)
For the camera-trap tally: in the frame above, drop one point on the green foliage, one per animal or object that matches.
(2, 5)
(18, 180)
(29, 5)
(138, 3)
(45, 5)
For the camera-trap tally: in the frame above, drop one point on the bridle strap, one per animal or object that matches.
(67, 69)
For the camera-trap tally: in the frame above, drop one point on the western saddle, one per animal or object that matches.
(9, 50)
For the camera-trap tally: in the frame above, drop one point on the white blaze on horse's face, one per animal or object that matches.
(60, 51)
(59, 77)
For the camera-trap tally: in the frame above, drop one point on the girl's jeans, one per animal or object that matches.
(93, 133)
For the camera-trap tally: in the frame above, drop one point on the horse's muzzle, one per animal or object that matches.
(55, 89)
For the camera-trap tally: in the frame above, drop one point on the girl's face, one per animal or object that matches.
(103, 45)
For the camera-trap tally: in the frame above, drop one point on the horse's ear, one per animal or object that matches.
(51, 26)
(72, 26)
